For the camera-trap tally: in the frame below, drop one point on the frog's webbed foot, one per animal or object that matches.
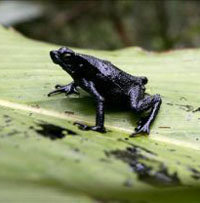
(141, 130)
(86, 127)
(67, 89)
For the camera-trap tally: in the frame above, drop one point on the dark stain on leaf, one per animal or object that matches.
(76, 149)
(170, 104)
(188, 156)
(138, 147)
(53, 131)
(145, 167)
(196, 110)
(144, 149)
(35, 106)
(172, 150)
(7, 118)
(185, 107)
(183, 99)
(105, 160)
(69, 112)
(195, 173)
(13, 132)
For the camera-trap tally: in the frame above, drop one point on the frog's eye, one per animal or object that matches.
(67, 55)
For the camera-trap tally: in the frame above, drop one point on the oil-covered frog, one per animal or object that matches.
(107, 84)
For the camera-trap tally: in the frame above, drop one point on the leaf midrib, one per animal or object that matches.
(43, 111)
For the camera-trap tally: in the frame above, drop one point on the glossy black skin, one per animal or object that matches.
(106, 83)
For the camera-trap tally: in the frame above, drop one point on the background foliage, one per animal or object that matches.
(151, 24)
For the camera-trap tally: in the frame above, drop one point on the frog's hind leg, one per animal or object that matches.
(138, 105)
(67, 89)
(144, 123)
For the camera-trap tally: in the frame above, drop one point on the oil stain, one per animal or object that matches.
(147, 169)
(53, 131)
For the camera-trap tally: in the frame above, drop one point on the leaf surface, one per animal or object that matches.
(44, 153)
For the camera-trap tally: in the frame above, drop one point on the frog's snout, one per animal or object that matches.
(53, 53)
(55, 56)
(144, 80)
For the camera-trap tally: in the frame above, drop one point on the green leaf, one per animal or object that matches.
(88, 166)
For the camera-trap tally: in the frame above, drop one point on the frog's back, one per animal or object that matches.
(103, 67)
(109, 79)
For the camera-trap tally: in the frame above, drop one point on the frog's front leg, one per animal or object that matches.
(90, 87)
(67, 89)
(138, 105)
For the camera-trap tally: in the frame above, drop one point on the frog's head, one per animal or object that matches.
(62, 55)
(65, 57)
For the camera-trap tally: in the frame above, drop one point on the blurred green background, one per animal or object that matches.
(107, 24)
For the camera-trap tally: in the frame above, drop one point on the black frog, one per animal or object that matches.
(107, 84)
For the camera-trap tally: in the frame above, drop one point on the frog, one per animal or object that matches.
(107, 84)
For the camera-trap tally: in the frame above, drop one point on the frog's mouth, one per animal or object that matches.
(55, 57)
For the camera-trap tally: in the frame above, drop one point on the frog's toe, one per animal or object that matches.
(54, 92)
(86, 127)
(59, 89)
(145, 129)
(142, 122)
(82, 126)
(98, 129)
(138, 127)
(58, 86)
